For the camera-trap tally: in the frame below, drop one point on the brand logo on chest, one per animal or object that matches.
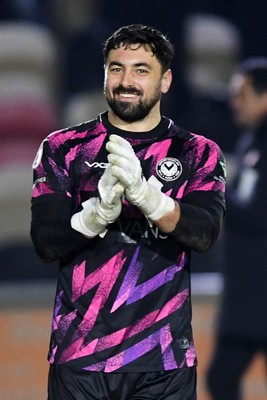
(96, 164)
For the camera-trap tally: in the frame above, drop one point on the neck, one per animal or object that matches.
(144, 125)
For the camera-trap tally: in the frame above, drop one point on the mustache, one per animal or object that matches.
(126, 90)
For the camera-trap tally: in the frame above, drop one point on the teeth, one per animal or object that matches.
(127, 95)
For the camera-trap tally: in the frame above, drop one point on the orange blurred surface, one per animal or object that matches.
(24, 344)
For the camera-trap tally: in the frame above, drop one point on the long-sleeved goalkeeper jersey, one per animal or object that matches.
(123, 300)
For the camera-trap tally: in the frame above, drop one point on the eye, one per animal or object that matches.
(141, 71)
(115, 70)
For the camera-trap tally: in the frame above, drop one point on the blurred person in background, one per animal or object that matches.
(120, 201)
(242, 324)
(211, 47)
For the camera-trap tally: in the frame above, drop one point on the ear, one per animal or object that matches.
(262, 104)
(166, 81)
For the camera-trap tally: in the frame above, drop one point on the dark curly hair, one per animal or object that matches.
(144, 35)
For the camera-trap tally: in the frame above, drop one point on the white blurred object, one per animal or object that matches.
(28, 88)
(212, 49)
(207, 284)
(29, 48)
(83, 107)
(28, 113)
(15, 204)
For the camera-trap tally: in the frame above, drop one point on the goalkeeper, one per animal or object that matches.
(120, 201)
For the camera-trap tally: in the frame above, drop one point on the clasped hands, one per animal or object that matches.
(122, 175)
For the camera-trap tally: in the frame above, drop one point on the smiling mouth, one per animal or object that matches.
(126, 97)
(126, 92)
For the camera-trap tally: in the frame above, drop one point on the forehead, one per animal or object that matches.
(132, 55)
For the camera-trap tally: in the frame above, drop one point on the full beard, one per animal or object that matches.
(130, 112)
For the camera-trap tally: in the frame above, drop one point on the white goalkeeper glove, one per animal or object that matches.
(97, 212)
(146, 195)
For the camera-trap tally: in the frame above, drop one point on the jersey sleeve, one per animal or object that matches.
(203, 202)
(51, 168)
(51, 205)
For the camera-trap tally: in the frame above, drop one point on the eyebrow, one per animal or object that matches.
(141, 64)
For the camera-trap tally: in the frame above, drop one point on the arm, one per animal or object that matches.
(195, 221)
(51, 231)
(100, 211)
(200, 225)
(55, 231)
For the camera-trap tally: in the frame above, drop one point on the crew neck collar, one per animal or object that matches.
(155, 132)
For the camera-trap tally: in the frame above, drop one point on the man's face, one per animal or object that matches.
(134, 82)
(248, 106)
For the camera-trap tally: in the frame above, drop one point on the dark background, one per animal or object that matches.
(78, 29)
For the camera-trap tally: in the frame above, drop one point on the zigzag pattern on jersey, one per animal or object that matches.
(104, 279)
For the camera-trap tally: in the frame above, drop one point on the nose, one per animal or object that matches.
(127, 78)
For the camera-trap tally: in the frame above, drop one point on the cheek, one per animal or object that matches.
(112, 82)
(108, 85)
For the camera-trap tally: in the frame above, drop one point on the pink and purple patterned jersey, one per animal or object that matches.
(123, 301)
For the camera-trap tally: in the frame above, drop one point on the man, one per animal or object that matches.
(120, 201)
(242, 328)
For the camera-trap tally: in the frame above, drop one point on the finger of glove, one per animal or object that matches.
(110, 194)
(108, 212)
(106, 185)
(127, 171)
(108, 179)
(118, 189)
(120, 141)
(124, 176)
(121, 150)
(109, 188)
(119, 161)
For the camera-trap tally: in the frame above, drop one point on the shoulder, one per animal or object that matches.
(61, 142)
(194, 140)
(202, 141)
(74, 132)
